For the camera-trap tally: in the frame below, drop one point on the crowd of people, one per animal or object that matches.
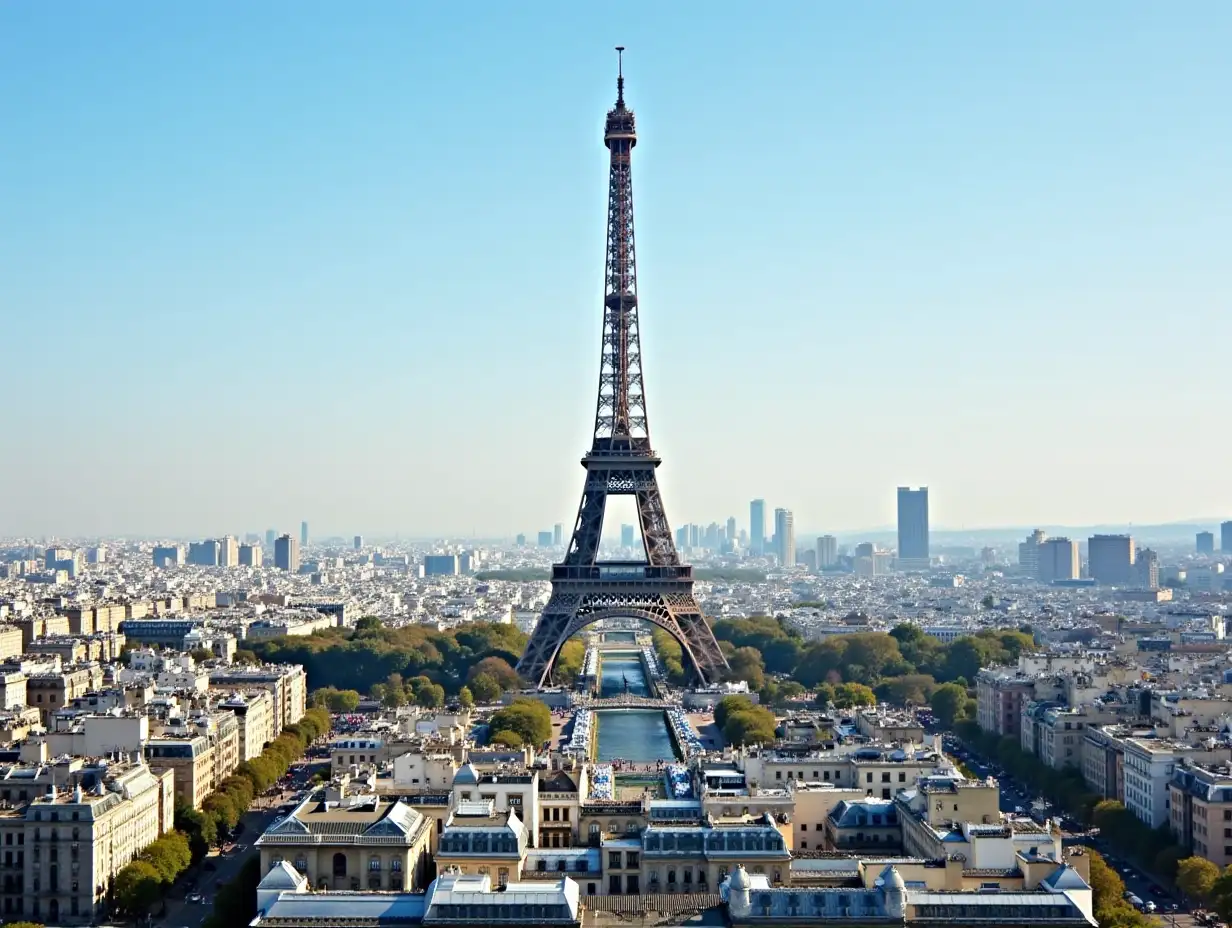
(679, 784)
(688, 739)
(602, 782)
(579, 740)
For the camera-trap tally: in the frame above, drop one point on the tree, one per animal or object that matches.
(749, 724)
(825, 694)
(465, 698)
(430, 696)
(850, 695)
(964, 658)
(728, 705)
(485, 688)
(822, 662)
(529, 718)
(570, 659)
(169, 856)
(499, 670)
(506, 739)
(336, 700)
(201, 654)
(912, 688)
(137, 887)
(949, 702)
(222, 809)
(746, 664)
(201, 829)
(1195, 877)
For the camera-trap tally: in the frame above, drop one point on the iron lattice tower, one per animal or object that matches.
(658, 589)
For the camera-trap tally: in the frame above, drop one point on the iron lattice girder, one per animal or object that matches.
(621, 463)
(573, 606)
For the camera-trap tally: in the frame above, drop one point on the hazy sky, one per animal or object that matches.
(269, 261)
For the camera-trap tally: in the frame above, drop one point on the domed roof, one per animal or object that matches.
(466, 775)
(894, 879)
(740, 878)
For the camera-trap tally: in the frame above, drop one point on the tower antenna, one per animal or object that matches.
(620, 75)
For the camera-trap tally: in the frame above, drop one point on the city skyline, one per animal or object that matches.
(992, 213)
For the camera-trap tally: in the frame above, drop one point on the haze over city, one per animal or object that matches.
(266, 263)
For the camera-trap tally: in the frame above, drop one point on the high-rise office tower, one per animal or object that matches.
(1057, 559)
(203, 553)
(626, 536)
(695, 532)
(558, 534)
(1204, 543)
(827, 551)
(286, 553)
(520, 541)
(913, 527)
(1225, 537)
(358, 542)
(228, 551)
(785, 537)
(545, 539)
(303, 534)
(168, 556)
(1110, 559)
(731, 530)
(757, 526)
(270, 537)
(251, 556)
(1029, 552)
(1146, 569)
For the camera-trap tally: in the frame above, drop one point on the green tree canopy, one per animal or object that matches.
(485, 688)
(137, 887)
(466, 699)
(949, 703)
(749, 724)
(1195, 877)
(849, 695)
(529, 718)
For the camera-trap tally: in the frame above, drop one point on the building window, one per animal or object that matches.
(374, 863)
(340, 865)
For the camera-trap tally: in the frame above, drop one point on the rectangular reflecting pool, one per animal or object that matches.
(638, 735)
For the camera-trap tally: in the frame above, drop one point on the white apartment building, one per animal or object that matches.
(1149, 765)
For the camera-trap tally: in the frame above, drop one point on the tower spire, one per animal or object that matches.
(620, 75)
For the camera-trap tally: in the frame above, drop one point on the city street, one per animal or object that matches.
(184, 914)
(1016, 798)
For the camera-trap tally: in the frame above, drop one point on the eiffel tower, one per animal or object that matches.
(657, 589)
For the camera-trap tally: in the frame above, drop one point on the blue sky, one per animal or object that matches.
(342, 262)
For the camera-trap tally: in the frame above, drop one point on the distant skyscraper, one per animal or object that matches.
(440, 565)
(358, 542)
(827, 551)
(251, 555)
(626, 536)
(757, 526)
(303, 534)
(785, 537)
(168, 556)
(286, 553)
(1205, 543)
(695, 540)
(731, 530)
(228, 551)
(1057, 559)
(520, 541)
(203, 553)
(808, 557)
(1146, 569)
(1029, 552)
(558, 534)
(270, 537)
(913, 526)
(545, 539)
(1110, 559)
